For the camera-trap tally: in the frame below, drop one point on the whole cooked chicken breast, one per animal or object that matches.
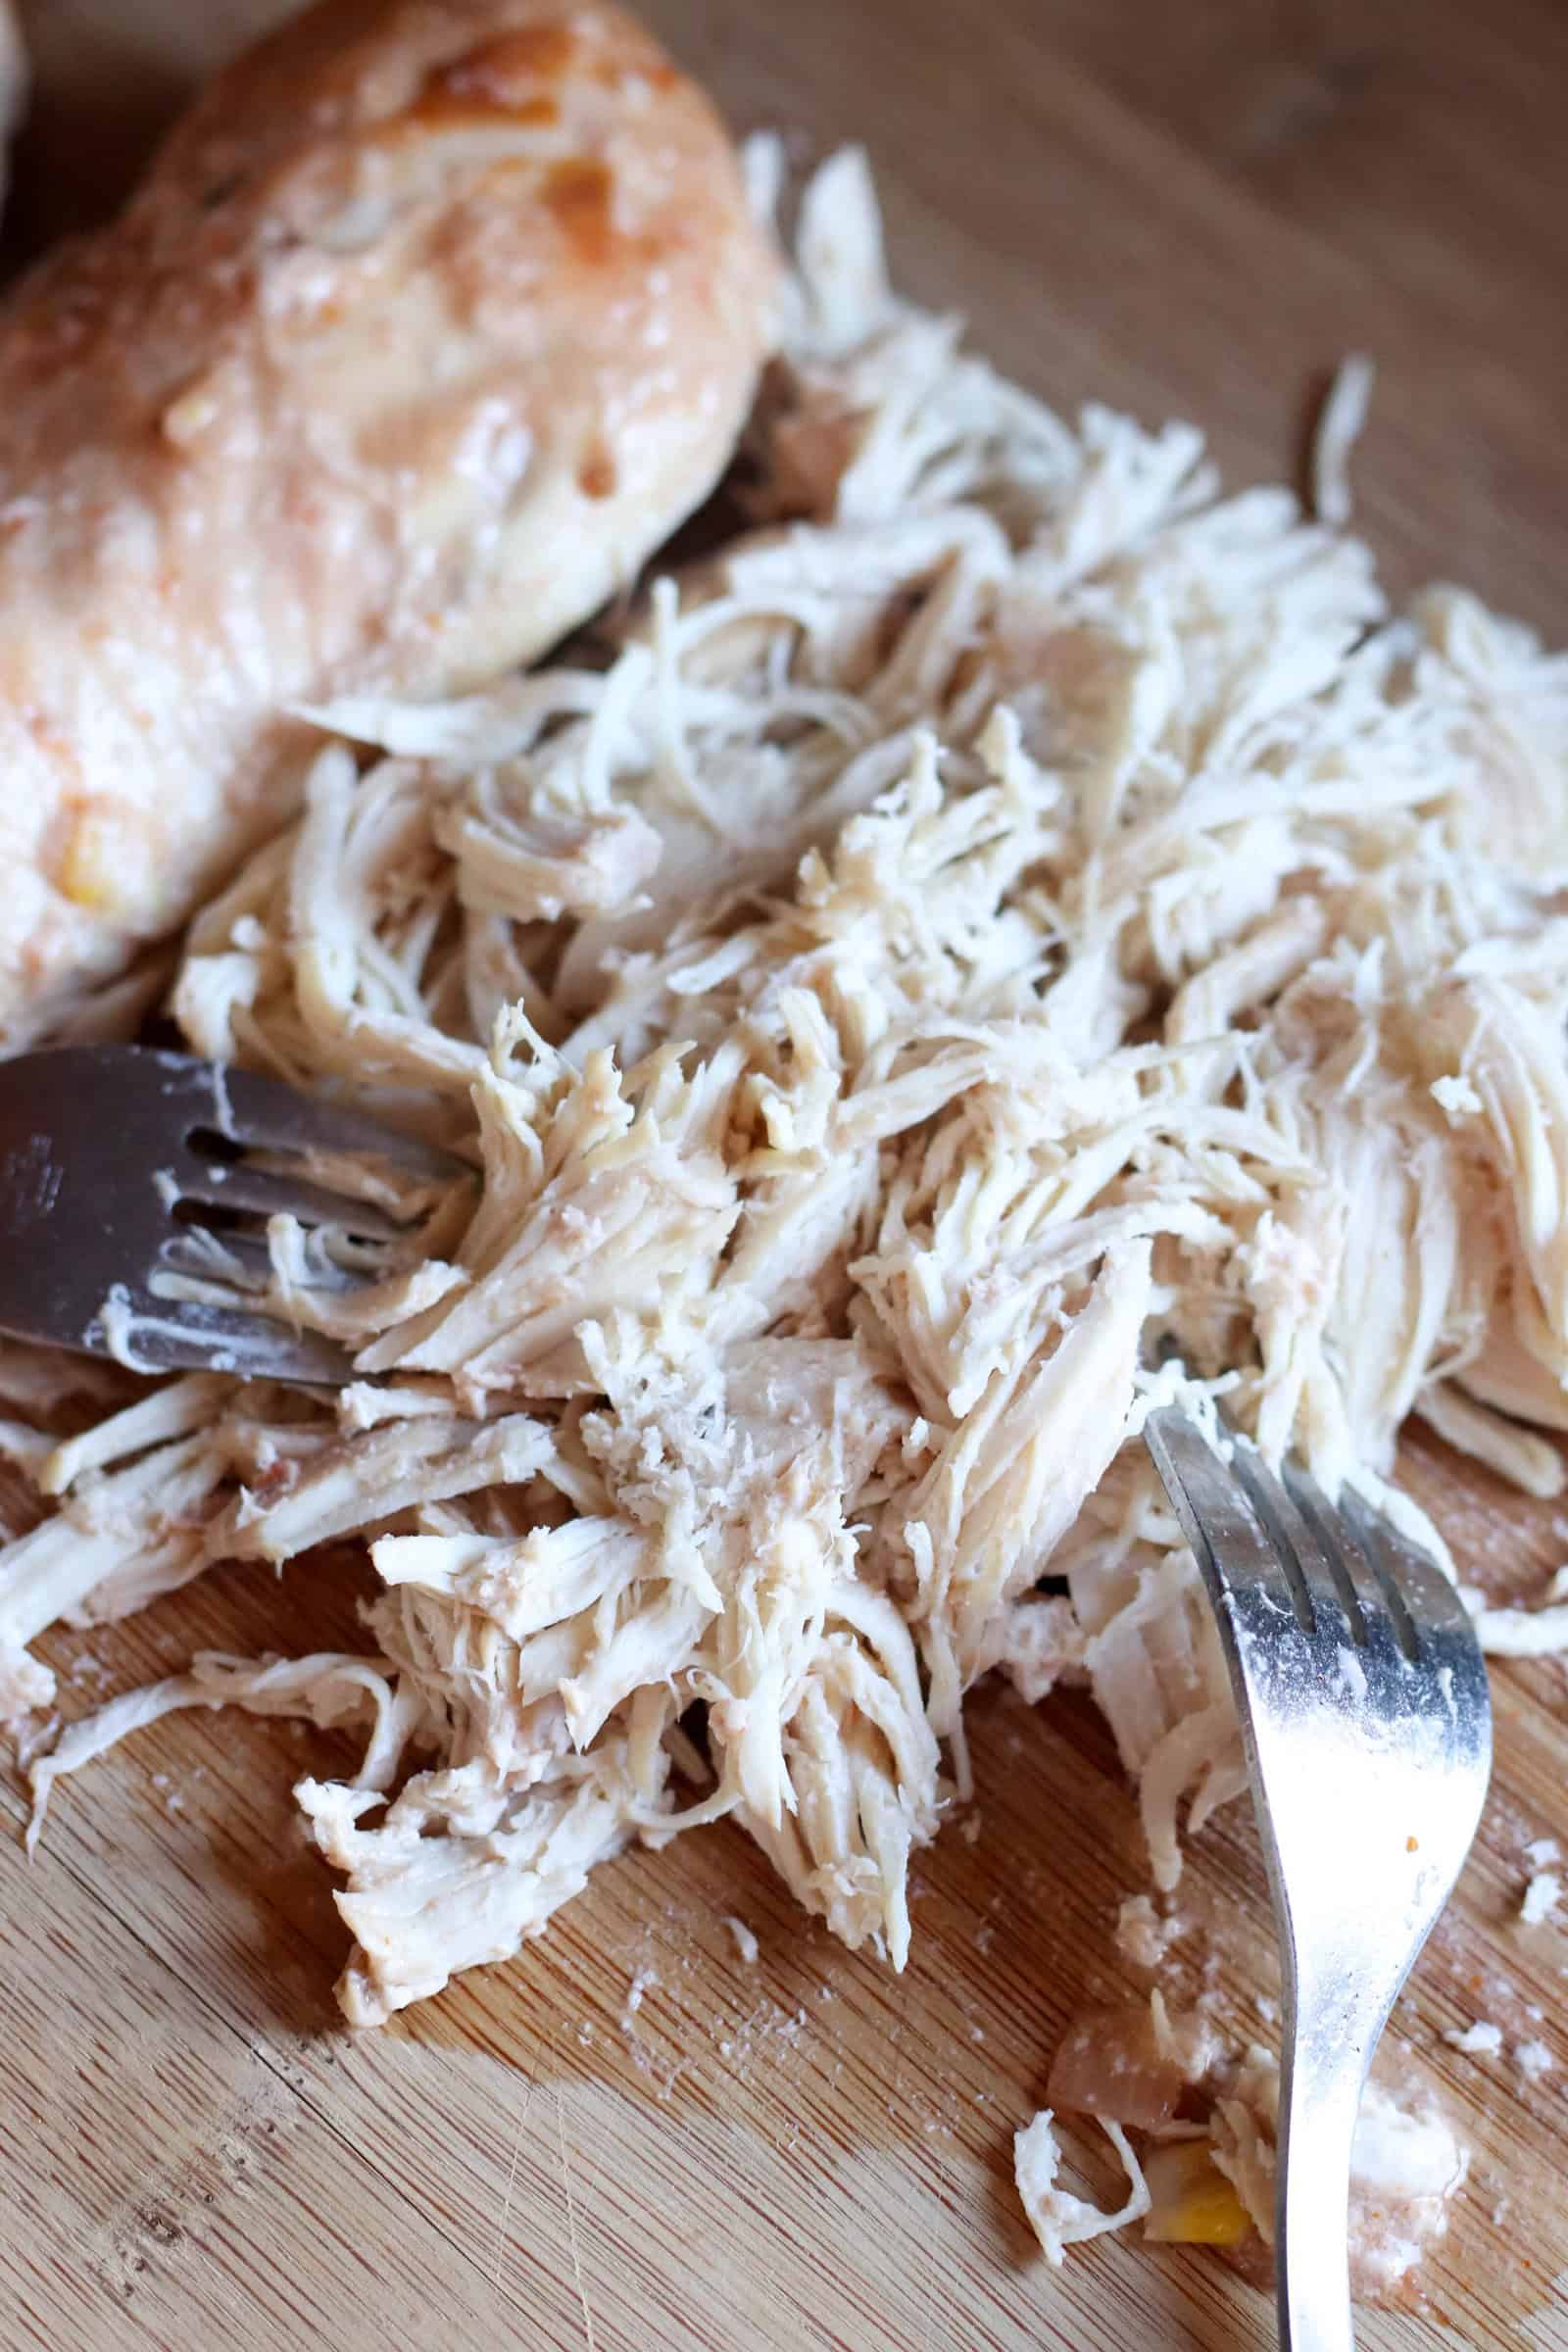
(430, 320)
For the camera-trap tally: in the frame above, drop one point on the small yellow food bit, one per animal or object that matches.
(92, 874)
(1193, 2204)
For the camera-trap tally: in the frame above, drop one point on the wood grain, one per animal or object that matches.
(1192, 211)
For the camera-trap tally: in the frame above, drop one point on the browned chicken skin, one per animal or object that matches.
(429, 321)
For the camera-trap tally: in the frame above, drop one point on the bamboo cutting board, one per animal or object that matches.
(629, 2138)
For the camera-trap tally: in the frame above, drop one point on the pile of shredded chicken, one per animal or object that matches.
(1012, 916)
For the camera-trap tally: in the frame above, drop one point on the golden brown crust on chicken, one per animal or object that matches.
(429, 321)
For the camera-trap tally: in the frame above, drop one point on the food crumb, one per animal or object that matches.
(642, 1981)
(744, 1942)
(1541, 1897)
(1482, 2039)
(1457, 1098)
(1532, 2059)
(1142, 1935)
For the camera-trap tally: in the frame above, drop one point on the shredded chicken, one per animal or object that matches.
(1058, 2218)
(1010, 919)
(1344, 415)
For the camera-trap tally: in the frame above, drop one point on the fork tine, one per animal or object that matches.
(1420, 1597)
(189, 1252)
(1304, 1557)
(185, 1335)
(1334, 1563)
(1337, 1560)
(1354, 1539)
(232, 1184)
(264, 1111)
(1231, 1547)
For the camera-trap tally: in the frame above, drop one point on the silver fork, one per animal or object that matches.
(1363, 1705)
(110, 1155)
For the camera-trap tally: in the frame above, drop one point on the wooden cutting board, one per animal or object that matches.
(631, 2140)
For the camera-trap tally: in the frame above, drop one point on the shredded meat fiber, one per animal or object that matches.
(1012, 918)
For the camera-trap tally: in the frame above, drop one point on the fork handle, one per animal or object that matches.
(1332, 2027)
(1312, 2270)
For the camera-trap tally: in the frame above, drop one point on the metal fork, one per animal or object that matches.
(1363, 1705)
(110, 1156)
